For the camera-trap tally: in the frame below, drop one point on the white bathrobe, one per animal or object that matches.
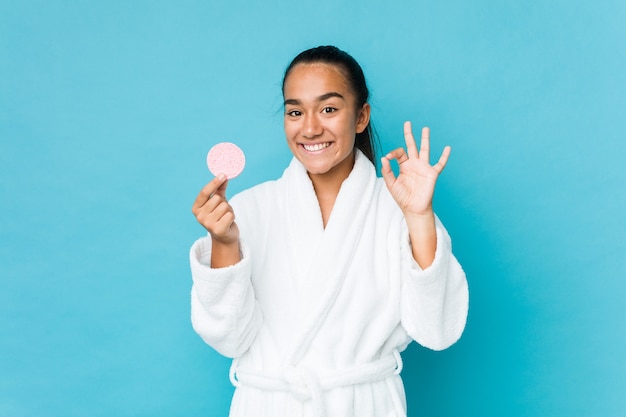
(315, 317)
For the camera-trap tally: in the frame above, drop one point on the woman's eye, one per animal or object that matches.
(293, 113)
(328, 110)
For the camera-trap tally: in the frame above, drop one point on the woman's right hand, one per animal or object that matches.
(214, 213)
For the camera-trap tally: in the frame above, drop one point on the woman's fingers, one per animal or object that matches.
(218, 184)
(220, 217)
(412, 153)
(216, 215)
(424, 150)
(221, 190)
(443, 159)
(424, 153)
(386, 172)
(411, 146)
(398, 154)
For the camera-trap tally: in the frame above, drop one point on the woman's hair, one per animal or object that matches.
(366, 140)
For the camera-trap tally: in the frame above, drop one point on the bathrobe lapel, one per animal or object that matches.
(320, 258)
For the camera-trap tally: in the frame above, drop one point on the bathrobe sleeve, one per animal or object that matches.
(434, 301)
(224, 311)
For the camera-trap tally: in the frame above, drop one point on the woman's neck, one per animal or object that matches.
(327, 187)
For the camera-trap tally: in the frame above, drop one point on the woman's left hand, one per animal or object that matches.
(414, 186)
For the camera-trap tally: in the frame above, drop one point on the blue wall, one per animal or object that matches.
(107, 110)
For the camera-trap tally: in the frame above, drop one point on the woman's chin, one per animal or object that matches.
(316, 169)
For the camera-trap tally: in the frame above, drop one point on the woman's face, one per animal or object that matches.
(321, 119)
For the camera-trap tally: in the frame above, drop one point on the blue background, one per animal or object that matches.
(107, 110)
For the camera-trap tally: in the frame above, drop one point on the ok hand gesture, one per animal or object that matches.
(414, 186)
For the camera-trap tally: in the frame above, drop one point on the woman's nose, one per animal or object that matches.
(312, 126)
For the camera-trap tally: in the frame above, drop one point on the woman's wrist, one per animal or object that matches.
(224, 254)
(423, 236)
(420, 220)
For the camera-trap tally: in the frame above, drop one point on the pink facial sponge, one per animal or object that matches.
(226, 158)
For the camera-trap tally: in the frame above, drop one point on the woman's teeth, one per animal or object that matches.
(316, 147)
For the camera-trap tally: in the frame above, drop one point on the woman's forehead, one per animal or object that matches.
(315, 78)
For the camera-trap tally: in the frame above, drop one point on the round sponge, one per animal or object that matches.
(226, 158)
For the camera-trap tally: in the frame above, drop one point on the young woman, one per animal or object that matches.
(315, 282)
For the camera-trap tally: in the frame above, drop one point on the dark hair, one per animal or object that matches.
(366, 140)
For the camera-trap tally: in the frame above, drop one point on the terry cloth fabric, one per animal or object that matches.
(311, 314)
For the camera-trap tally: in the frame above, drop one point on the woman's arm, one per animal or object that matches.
(423, 238)
(224, 309)
(434, 300)
(214, 213)
(413, 191)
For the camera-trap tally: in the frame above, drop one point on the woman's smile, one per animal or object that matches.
(315, 147)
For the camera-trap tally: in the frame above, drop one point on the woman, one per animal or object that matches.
(315, 282)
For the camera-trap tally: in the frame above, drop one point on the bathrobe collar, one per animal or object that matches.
(320, 258)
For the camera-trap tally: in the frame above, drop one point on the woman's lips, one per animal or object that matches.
(315, 147)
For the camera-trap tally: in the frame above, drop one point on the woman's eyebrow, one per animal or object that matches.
(296, 102)
(329, 95)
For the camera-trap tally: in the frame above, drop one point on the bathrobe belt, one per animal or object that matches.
(305, 384)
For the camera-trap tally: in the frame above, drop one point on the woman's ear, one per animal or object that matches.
(363, 118)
